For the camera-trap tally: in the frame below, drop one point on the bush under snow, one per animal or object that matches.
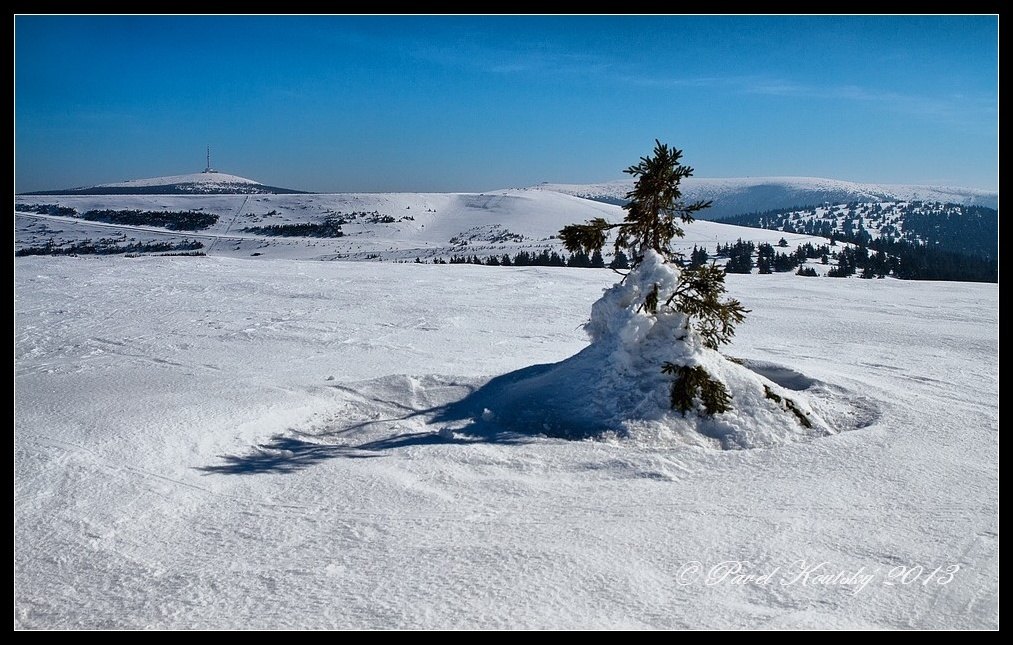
(616, 387)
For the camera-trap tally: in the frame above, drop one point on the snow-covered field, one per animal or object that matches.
(226, 442)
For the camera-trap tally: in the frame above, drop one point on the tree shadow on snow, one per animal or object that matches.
(468, 420)
(550, 400)
(513, 407)
(282, 455)
(470, 417)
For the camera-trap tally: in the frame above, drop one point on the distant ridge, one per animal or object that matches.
(199, 183)
(737, 196)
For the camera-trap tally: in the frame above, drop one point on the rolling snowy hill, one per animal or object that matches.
(735, 196)
(375, 226)
(198, 183)
(971, 230)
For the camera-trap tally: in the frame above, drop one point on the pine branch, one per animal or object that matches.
(588, 237)
(694, 382)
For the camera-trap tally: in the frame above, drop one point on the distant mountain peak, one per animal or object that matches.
(207, 182)
(203, 177)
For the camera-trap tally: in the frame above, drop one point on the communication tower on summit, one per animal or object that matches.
(209, 168)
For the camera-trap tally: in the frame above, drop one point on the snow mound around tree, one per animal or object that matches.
(615, 386)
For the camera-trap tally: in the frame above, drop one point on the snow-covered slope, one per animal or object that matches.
(197, 183)
(209, 178)
(386, 226)
(953, 227)
(218, 442)
(735, 196)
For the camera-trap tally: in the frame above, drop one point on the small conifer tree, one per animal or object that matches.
(654, 215)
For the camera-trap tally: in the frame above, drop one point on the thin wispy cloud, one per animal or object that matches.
(544, 60)
(955, 109)
(409, 100)
(952, 108)
(536, 58)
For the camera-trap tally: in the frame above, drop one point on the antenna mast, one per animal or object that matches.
(208, 169)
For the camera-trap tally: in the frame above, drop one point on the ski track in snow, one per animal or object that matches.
(182, 460)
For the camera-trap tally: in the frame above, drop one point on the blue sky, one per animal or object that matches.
(459, 103)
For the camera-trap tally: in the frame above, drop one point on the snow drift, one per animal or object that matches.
(616, 387)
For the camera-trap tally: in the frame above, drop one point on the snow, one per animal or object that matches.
(740, 195)
(616, 386)
(425, 226)
(878, 219)
(213, 177)
(182, 460)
